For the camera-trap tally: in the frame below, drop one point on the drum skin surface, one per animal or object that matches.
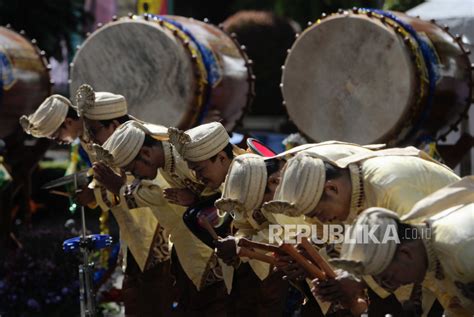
(364, 77)
(25, 79)
(172, 70)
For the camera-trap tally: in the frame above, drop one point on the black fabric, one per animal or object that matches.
(190, 218)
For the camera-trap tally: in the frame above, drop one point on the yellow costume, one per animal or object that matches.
(196, 258)
(446, 221)
(393, 178)
(450, 248)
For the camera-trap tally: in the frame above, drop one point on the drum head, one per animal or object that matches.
(142, 61)
(348, 78)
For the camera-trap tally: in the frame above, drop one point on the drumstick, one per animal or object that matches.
(317, 259)
(244, 252)
(357, 305)
(259, 245)
(57, 192)
(311, 269)
(206, 225)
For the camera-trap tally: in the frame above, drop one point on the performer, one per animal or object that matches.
(56, 118)
(209, 153)
(257, 291)
(337, 191)
(433, 245)
(207, 150)
(251, 181)
(149, 157)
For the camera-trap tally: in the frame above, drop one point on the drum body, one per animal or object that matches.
(172, 70)
(24, 77)
(374, 76)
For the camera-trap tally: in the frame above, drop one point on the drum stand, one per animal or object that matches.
(86, 244)
(86, 292)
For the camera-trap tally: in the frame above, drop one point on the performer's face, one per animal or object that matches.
(98, 132)
(69, 130)
(335, 203)
(146, 164)
(272, 183)
(408, 266)
(211, 172)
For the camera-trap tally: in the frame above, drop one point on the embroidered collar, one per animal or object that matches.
(170, 161)
(358, 194)
(433, 262)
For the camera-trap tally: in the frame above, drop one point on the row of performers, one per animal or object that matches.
(148, 176)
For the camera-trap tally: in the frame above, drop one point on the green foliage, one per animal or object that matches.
(401, 5)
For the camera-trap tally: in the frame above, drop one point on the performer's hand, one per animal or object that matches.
(226, 250)
(108, 178)
(180, 196)
(84, 196)
(292, 270)
(343, 289)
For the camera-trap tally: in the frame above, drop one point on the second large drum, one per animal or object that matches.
(373, 76)
(172, 70)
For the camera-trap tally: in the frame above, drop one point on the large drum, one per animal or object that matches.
(263, 32)
(172, 70)
(373, 76)
(24, 79)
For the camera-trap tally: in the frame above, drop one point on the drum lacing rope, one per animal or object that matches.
(207, 63)
(430, 60)
(198, 65)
